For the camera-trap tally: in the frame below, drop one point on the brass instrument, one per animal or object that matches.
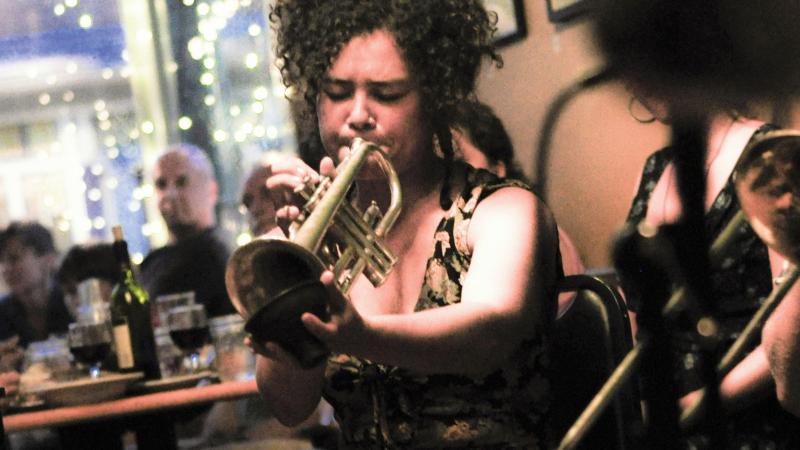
(272, 281)
(768, 187)
(767, 179)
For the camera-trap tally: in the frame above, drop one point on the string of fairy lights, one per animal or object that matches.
(242, 115)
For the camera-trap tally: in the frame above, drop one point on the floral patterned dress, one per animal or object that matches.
(739, 288)
(379, 406)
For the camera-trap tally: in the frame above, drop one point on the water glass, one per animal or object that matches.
(168, 301)
(93, 306)
(234, 360)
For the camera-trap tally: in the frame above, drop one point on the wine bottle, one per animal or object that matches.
(130, 317)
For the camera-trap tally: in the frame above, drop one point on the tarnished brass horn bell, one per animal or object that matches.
(768, 187)
(272, 280)
(285, 284)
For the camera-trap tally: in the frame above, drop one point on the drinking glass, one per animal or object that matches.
(188, 328)
(165, 302)
(234, 360)
(90, 343)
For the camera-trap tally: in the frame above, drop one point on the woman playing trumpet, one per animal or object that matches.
(450, 350)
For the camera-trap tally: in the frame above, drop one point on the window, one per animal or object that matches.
(89, 98)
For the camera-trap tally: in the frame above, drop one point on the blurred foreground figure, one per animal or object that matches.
(738, 288)
(709, 57)
(769, 188)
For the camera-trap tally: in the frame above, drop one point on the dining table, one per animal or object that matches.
(149, 415)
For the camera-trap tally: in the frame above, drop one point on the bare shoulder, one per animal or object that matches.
(511, 211)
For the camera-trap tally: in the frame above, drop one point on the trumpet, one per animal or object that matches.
(272, 281)
(766, 178)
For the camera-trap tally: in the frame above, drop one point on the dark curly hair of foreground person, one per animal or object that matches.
(444, 42)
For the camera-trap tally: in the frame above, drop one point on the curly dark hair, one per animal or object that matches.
(443, 41)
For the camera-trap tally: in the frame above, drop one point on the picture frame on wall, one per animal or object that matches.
(564, 10)
(511, 25)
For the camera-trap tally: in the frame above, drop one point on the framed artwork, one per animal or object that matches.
(564, 10)
(510, 20)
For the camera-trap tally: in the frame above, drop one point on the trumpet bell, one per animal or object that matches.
(768, 187)
(272, 282)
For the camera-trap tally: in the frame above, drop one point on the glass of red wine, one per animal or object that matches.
(90, 343)
(188, 328)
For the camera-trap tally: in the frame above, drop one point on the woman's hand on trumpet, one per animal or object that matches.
(345, 328)
(285, 177)
(342, 332)
(272, 351)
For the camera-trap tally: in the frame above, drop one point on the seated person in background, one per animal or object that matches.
(755, 420)
(482, 141)
(258, 202)
(34, 307)
(83, 262)
(194, 258)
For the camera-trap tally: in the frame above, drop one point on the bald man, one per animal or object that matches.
(194, 258)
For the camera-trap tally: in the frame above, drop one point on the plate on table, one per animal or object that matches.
(81, 391)
(177, 382)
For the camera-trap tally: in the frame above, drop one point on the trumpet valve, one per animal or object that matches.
(372, 215)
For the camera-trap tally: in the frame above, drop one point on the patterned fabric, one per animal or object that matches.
(739, 288)
(378, 406)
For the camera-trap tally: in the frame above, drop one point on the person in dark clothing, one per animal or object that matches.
(196, 264)
(34, 307)
(84, 262)
(194, 258)
(738, 287)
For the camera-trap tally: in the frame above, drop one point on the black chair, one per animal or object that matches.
(588, 341)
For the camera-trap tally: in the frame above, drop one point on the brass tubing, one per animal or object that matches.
(754, 326)
(737, 349)
(624, 370)
(309, 236)
(601, 400)
(716, 255)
